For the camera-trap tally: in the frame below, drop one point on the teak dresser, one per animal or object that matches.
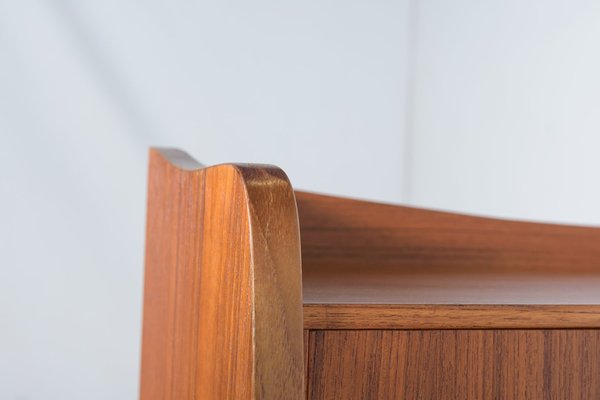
(256, 291)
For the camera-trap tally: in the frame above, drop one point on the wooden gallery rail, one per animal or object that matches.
(255, 291)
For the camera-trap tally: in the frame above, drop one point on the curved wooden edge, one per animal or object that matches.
(177, 158)
(223, 291)
(340, 231)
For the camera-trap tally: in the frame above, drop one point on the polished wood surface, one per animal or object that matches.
(356, 297)
(343, 232)
(454, 364)
(387, 302)
(432, 316)
(393, 285)
(377, 266)
(222, 302)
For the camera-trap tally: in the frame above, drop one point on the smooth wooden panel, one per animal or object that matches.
(378, 266)
(335, 284)
(338, 231)
(306, 343)
(386, 297)
(454, 364)
(431, 316)
(222, 302)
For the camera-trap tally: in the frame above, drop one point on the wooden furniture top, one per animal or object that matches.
(343, 284)
(238, 265)
(368, 265)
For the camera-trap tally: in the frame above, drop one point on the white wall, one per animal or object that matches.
(485, 107)
(507, 109)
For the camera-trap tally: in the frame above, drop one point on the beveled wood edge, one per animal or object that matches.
(277, 326)
(177, 158)
(444, 316)
(277, 273)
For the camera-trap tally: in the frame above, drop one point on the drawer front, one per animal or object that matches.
(453, 364)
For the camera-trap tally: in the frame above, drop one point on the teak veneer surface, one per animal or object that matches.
(431, 316)
(222, 303)
(377, 266)
(338, 231)
(454, 364)
(387, 298)
(378, 302)
(391, 285)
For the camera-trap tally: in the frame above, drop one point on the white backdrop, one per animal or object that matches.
(484, 107)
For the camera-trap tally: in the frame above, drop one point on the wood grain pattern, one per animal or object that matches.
(224, 316)
(306, 347)
(378, 266)
(455, 364)
(222, 305)
(431, 316)
(338, 231)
